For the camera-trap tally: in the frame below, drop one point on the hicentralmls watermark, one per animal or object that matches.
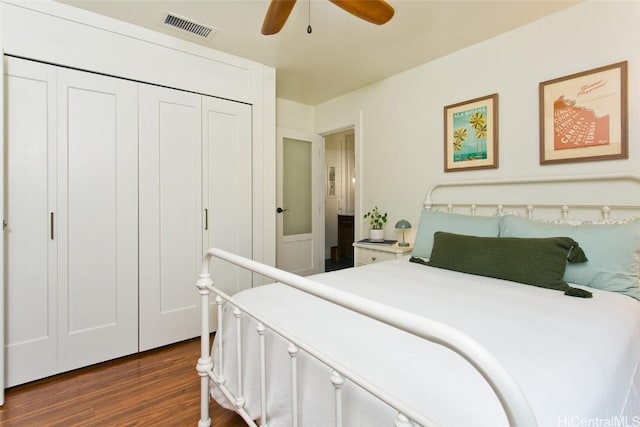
(575, 421)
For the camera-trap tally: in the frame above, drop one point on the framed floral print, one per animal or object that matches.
(471, 134)
(583, 116)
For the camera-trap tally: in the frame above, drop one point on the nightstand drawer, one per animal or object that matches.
(368, 253)
(368, 256)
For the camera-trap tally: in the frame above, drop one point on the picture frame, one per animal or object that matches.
(583, 116)
(471, 134)
(331, 182)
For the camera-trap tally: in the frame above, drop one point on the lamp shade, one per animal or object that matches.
(403, 223)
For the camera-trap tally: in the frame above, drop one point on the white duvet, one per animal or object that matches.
(575, 359)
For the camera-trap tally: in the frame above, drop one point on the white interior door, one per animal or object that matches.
(227, 195)
(3, 282)
(300, 207)
(97, 221)
(170, 145)
(31, 256)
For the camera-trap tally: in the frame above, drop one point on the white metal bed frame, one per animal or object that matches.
(513, 401)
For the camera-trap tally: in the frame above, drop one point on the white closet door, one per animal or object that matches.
(97, 221)
(228, 188)
(31, 298)
(171, 215)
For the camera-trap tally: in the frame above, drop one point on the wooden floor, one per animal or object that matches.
(155, 388)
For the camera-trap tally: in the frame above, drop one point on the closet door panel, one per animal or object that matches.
(170, 215)
(31, 297)
(97, 224)
(228, 188)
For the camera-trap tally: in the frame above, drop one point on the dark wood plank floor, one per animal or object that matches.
(156, 388)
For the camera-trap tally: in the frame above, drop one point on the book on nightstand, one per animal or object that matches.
(385, 242)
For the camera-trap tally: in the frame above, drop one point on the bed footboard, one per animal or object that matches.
(513, 401)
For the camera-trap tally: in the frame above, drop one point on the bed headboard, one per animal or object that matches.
(584, 197)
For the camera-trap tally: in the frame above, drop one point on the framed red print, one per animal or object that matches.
(583, 116)
(471, 134)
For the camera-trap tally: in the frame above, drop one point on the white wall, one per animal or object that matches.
(400, 135)
(293, 115)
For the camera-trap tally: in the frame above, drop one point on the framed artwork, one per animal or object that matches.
(331, 182)
(471, 134)
(583, 116)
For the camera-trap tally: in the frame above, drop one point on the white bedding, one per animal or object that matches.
(575, 359)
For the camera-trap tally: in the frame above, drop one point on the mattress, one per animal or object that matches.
(575, 359)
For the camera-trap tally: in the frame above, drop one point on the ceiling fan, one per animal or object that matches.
(375, 11)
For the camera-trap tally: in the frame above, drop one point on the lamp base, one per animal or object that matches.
(403, 244)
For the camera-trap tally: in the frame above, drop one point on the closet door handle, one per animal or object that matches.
(51, 223)
(206, 219)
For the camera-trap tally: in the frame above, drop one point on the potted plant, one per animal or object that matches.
(377, 221)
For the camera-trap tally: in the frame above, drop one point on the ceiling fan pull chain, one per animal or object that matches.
(309, 30)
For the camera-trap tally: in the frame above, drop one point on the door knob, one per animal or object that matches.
(280, 210)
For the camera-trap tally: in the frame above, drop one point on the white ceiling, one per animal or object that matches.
(343, 53)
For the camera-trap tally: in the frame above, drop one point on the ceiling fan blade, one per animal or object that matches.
(276, 16)
(375, 11)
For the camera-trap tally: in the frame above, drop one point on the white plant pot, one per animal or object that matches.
(376, 235)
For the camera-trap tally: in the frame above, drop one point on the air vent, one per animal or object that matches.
(184, 24)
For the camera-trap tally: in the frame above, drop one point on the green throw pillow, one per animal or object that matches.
(533, 261)
(614, 251)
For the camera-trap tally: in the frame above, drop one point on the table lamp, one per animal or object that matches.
(403, 224)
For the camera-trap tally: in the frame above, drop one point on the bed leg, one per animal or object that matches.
(205, 419)
(239, 400)
(293, 352)
(263, 376)
(338, 381)
(205, 363)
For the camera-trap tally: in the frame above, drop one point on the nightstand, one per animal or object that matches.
(367, 253)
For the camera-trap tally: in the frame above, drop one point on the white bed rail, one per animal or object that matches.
(513, 401)
(620, 199)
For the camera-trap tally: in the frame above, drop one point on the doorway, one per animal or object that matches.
(340, 188)
(299, 220)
